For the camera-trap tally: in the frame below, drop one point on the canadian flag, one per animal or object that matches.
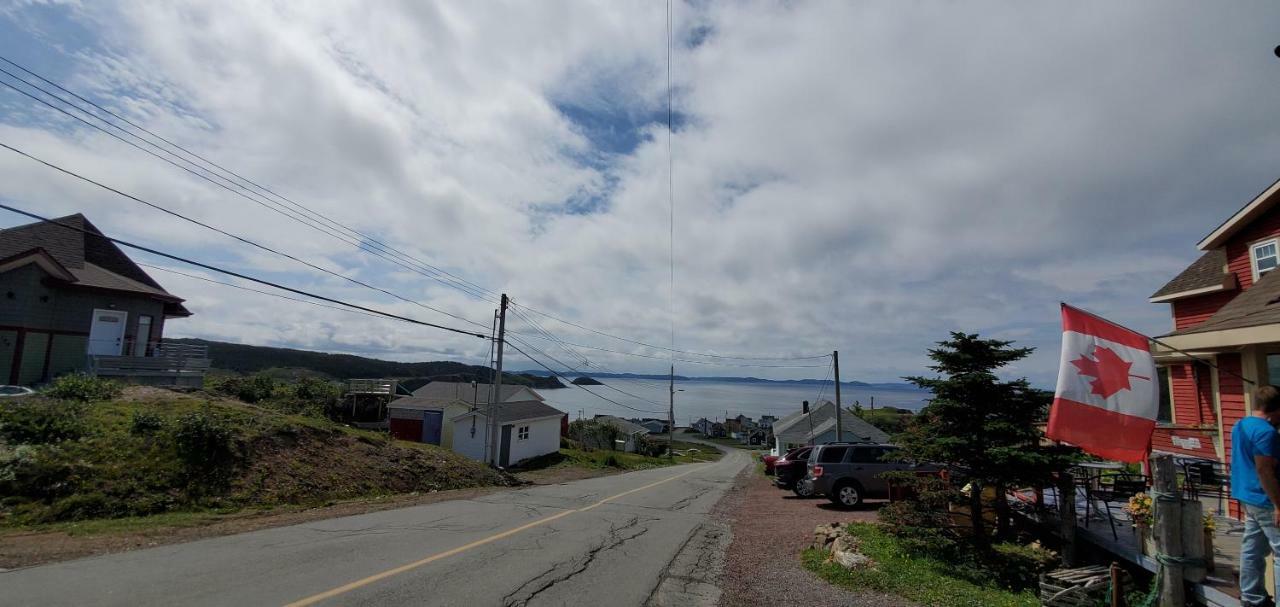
(1107, 399)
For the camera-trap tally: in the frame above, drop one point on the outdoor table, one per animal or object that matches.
(1093, 481)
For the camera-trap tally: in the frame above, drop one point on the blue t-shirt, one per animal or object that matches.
(1251, 436)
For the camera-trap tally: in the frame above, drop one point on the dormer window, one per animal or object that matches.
(1266, 256)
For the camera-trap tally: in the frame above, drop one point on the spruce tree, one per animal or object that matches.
(982, 427)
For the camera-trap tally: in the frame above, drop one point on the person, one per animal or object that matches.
(1254, 452)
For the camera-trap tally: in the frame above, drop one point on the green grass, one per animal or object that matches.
(924, 580)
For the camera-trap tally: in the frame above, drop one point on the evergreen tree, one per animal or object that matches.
(981, 426)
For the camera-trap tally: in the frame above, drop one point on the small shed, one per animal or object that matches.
(630, 430)
(424, 420)
(525, 429)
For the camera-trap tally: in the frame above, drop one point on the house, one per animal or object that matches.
(630, 431)
(766, 422)
(73, 301)
(526, 429)
(703, 426)
(1226, 311)
(654, 426)
(817, 425)
(423, 417)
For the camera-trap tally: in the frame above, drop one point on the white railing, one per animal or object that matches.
(167, 360)
(372, 386)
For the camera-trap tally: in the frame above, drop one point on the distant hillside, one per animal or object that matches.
(740, 380)
(586, 381)
(252, 359)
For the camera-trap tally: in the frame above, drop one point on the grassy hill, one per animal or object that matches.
(150, 451)
(248, 359)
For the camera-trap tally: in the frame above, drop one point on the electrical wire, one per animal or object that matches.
(231, 235)
(240, 275)
(557, 374)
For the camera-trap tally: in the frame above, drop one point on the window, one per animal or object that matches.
(832, 455)
(522, 433)
(1165, 415)
(1266, 256)
(143, 338)
(868, 455)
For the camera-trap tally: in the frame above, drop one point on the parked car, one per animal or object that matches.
(768, 463)
(791, 468)
(848, 473)
(12, 391)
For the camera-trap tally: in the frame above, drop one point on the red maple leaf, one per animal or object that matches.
(1110, 372)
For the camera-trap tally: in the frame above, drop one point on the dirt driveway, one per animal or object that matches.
(770, 529)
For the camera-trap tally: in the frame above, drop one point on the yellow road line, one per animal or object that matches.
(345, 588)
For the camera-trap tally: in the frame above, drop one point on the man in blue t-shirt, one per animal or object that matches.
(1254, 449)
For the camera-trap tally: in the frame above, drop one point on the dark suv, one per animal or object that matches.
(848, 473)
(791, 467)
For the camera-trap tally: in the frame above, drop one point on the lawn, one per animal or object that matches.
(920, 579)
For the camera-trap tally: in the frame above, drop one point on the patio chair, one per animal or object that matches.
(1118, 491)
(1206, 478)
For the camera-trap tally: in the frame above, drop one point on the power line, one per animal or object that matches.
(324, 224)
(465, 284)
(252, 290)
(684, 360)
(557, 374)
(580, 373)
(231, 235)
(239, 275)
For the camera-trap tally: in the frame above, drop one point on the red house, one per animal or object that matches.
(1226, 309)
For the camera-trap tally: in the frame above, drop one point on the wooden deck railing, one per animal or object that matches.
(168, 360)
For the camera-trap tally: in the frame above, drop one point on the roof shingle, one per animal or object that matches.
(1259, 305)
(1208, 271)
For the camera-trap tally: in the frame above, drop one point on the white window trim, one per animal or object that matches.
(1253, 259)
(522, 433)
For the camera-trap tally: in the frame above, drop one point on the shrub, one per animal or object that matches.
(36, 472)
(1018, 566)
(250, 389)
(143, 423)
(307, 396)
(204, 441)
(595, 435)
(648, 446)
(37, 421)
(83, 387)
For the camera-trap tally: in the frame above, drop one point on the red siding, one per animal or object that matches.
(1231, 395)
(1192, 395)
(1162, 440)
(1192, 311)
(1238, 247)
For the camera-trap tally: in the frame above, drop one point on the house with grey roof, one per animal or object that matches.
(524, 429)
(73, 301)
(817, 425)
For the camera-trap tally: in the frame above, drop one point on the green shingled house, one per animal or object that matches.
(71, 300)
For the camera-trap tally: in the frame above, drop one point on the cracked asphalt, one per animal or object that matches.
(626, 551)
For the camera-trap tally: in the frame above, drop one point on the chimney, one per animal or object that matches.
(804, 407)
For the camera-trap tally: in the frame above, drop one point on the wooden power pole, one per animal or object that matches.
(491, 428)
(671, 415)
(835, 363)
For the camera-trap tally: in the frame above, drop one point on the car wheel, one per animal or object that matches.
(803, 489)
(848, 495)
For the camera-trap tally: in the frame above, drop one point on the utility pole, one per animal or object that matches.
(835, 363)
(671, 415)
(492, 426)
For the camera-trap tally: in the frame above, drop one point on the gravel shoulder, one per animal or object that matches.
(770, 528)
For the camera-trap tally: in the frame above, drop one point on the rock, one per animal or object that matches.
(852, 560)
(825, 535)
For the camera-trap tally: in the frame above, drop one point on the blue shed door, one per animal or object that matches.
(431, 424)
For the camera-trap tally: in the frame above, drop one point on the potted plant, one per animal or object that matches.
(1209, 526)
(1140, 512)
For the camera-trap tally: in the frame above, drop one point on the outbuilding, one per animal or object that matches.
(424, 420)
(526, 429)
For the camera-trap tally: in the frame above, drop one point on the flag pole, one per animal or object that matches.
(1156, 341)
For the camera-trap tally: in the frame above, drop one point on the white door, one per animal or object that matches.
(106, 334)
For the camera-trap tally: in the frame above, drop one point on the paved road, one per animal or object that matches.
(630, 539)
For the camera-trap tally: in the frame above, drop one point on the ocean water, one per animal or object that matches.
(715, 400)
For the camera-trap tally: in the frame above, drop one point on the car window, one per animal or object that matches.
(832, 455)
(870, 455)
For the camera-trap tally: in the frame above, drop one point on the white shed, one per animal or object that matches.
(525, 429)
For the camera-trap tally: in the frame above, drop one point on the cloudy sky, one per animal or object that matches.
(847, 175)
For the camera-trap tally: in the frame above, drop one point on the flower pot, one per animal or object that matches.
(1146, 541)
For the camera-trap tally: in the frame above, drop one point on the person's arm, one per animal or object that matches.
(1266, 466)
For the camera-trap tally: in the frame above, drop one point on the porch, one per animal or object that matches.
(170, 364)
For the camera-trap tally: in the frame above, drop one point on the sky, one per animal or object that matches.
(853, 176)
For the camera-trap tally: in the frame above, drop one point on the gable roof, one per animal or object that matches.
(463, 391)
(622, 424)
(92, 261)
(800, 427)
(1260, 204)
(1255, 307)
(420, 403)
(853, 429)
(517, 411)
(1208, 274)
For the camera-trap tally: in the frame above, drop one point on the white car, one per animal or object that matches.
(11, 391)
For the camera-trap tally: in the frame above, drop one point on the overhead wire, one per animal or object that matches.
(242, 276)
(241, 239)
(242, 179)
(254, 192)
(561, 376)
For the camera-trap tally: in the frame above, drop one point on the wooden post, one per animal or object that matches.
(1117, 588)
(1067, 517)
(1193, 538)
(1167, 528)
